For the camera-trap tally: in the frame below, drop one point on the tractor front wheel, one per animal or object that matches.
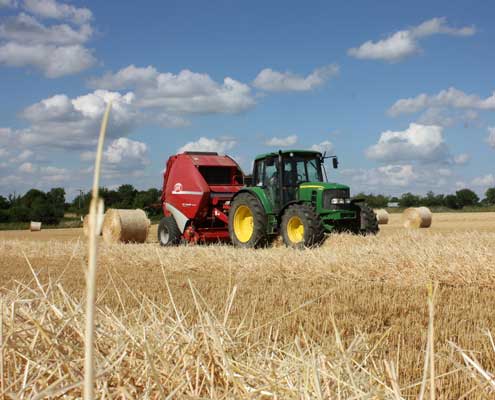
(247, 222)
(302, 227)
(168, 232)
(368, 224)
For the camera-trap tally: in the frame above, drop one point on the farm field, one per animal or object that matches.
(345, 320)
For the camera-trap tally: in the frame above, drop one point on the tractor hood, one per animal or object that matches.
(321, 186)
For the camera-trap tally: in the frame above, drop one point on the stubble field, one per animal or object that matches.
(347, 320)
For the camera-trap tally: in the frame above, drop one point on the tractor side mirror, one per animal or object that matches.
(335, 162)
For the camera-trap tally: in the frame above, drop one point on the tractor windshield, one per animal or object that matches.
(301, 169)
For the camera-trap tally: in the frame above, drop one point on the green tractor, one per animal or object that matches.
(289, 196)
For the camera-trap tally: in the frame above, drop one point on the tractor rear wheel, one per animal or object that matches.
(302, 227)
(368, 222)
(247, 222)
(168, 232)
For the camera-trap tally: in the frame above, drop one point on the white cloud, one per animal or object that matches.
(451, 97)
(24, 155)
(59, 121)
(8, 3)
(417, 142)
(26, 29)
(325, 146)
(491, 137)
(184, 93)
(486, 180)
(276, 81)
(461, 159)
(27, 168)
(282, 142)
(53, 61)
(127, 153)
(405, 43)
(56, 10)
(56, 50)
(220, 145)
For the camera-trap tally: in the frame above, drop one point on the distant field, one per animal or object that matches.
(256, 323)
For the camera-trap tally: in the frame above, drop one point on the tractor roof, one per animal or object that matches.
(275, 153)
(209, 159)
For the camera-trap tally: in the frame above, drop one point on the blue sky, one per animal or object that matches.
(402, 91)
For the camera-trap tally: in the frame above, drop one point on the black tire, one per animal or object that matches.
(168, 232)
(258, 237)
(368, 224)
(314, 232)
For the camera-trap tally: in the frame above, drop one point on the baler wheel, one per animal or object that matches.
(302, 227)
(168, 232)
(247, 222)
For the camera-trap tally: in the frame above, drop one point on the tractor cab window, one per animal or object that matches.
(298, 170)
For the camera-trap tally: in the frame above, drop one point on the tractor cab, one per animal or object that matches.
(281, 174)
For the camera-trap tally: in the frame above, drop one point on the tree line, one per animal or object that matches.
(460, 199)
(50, 207)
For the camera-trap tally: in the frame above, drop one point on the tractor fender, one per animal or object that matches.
(281, 212)
(259, 194)
(179, 217)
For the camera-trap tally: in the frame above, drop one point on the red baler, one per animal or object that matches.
(197, 189)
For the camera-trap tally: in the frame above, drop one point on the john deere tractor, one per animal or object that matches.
(289, 196)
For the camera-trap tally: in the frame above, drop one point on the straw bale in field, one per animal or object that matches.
(125, 226)
(35, 226)
(99, 224)
(417, 217)
(381, 216)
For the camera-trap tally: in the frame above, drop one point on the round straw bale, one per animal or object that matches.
(417, 217)
(381, 216)
(35, 226)
(125, 226)
(99, 224)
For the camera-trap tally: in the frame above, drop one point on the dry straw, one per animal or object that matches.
(95, 208)
(126, 226)
(417, 217)
(35, 226)
(382, 216)
(99, 224)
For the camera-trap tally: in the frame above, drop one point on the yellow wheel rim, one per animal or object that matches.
(295, 230)
(243, 224)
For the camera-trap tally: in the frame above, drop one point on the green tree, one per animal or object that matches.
(450, 201)
(409, 200)
(490, 195)
(466, 197)
(4, 203)
(127, 194)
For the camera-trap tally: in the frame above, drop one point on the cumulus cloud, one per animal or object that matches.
(399, 178)
(282, 142)
(27, 168)
(325, 146)
(60, 121)
(184, 93)
(57, 49)
(405, 43)
(55, 10)
(461, 159)
(491, 137)
(484, 181)
(451, 97)
(276, 81)
(417, 142)
(221, 145)
(127, 153)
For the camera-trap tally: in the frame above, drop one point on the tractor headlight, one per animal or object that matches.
(338, 201)
(347, 201)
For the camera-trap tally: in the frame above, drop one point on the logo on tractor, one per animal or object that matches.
(178, 187)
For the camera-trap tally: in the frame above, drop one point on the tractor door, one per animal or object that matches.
(266, 175)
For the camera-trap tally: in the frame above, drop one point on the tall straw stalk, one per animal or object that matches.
(95, 207)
